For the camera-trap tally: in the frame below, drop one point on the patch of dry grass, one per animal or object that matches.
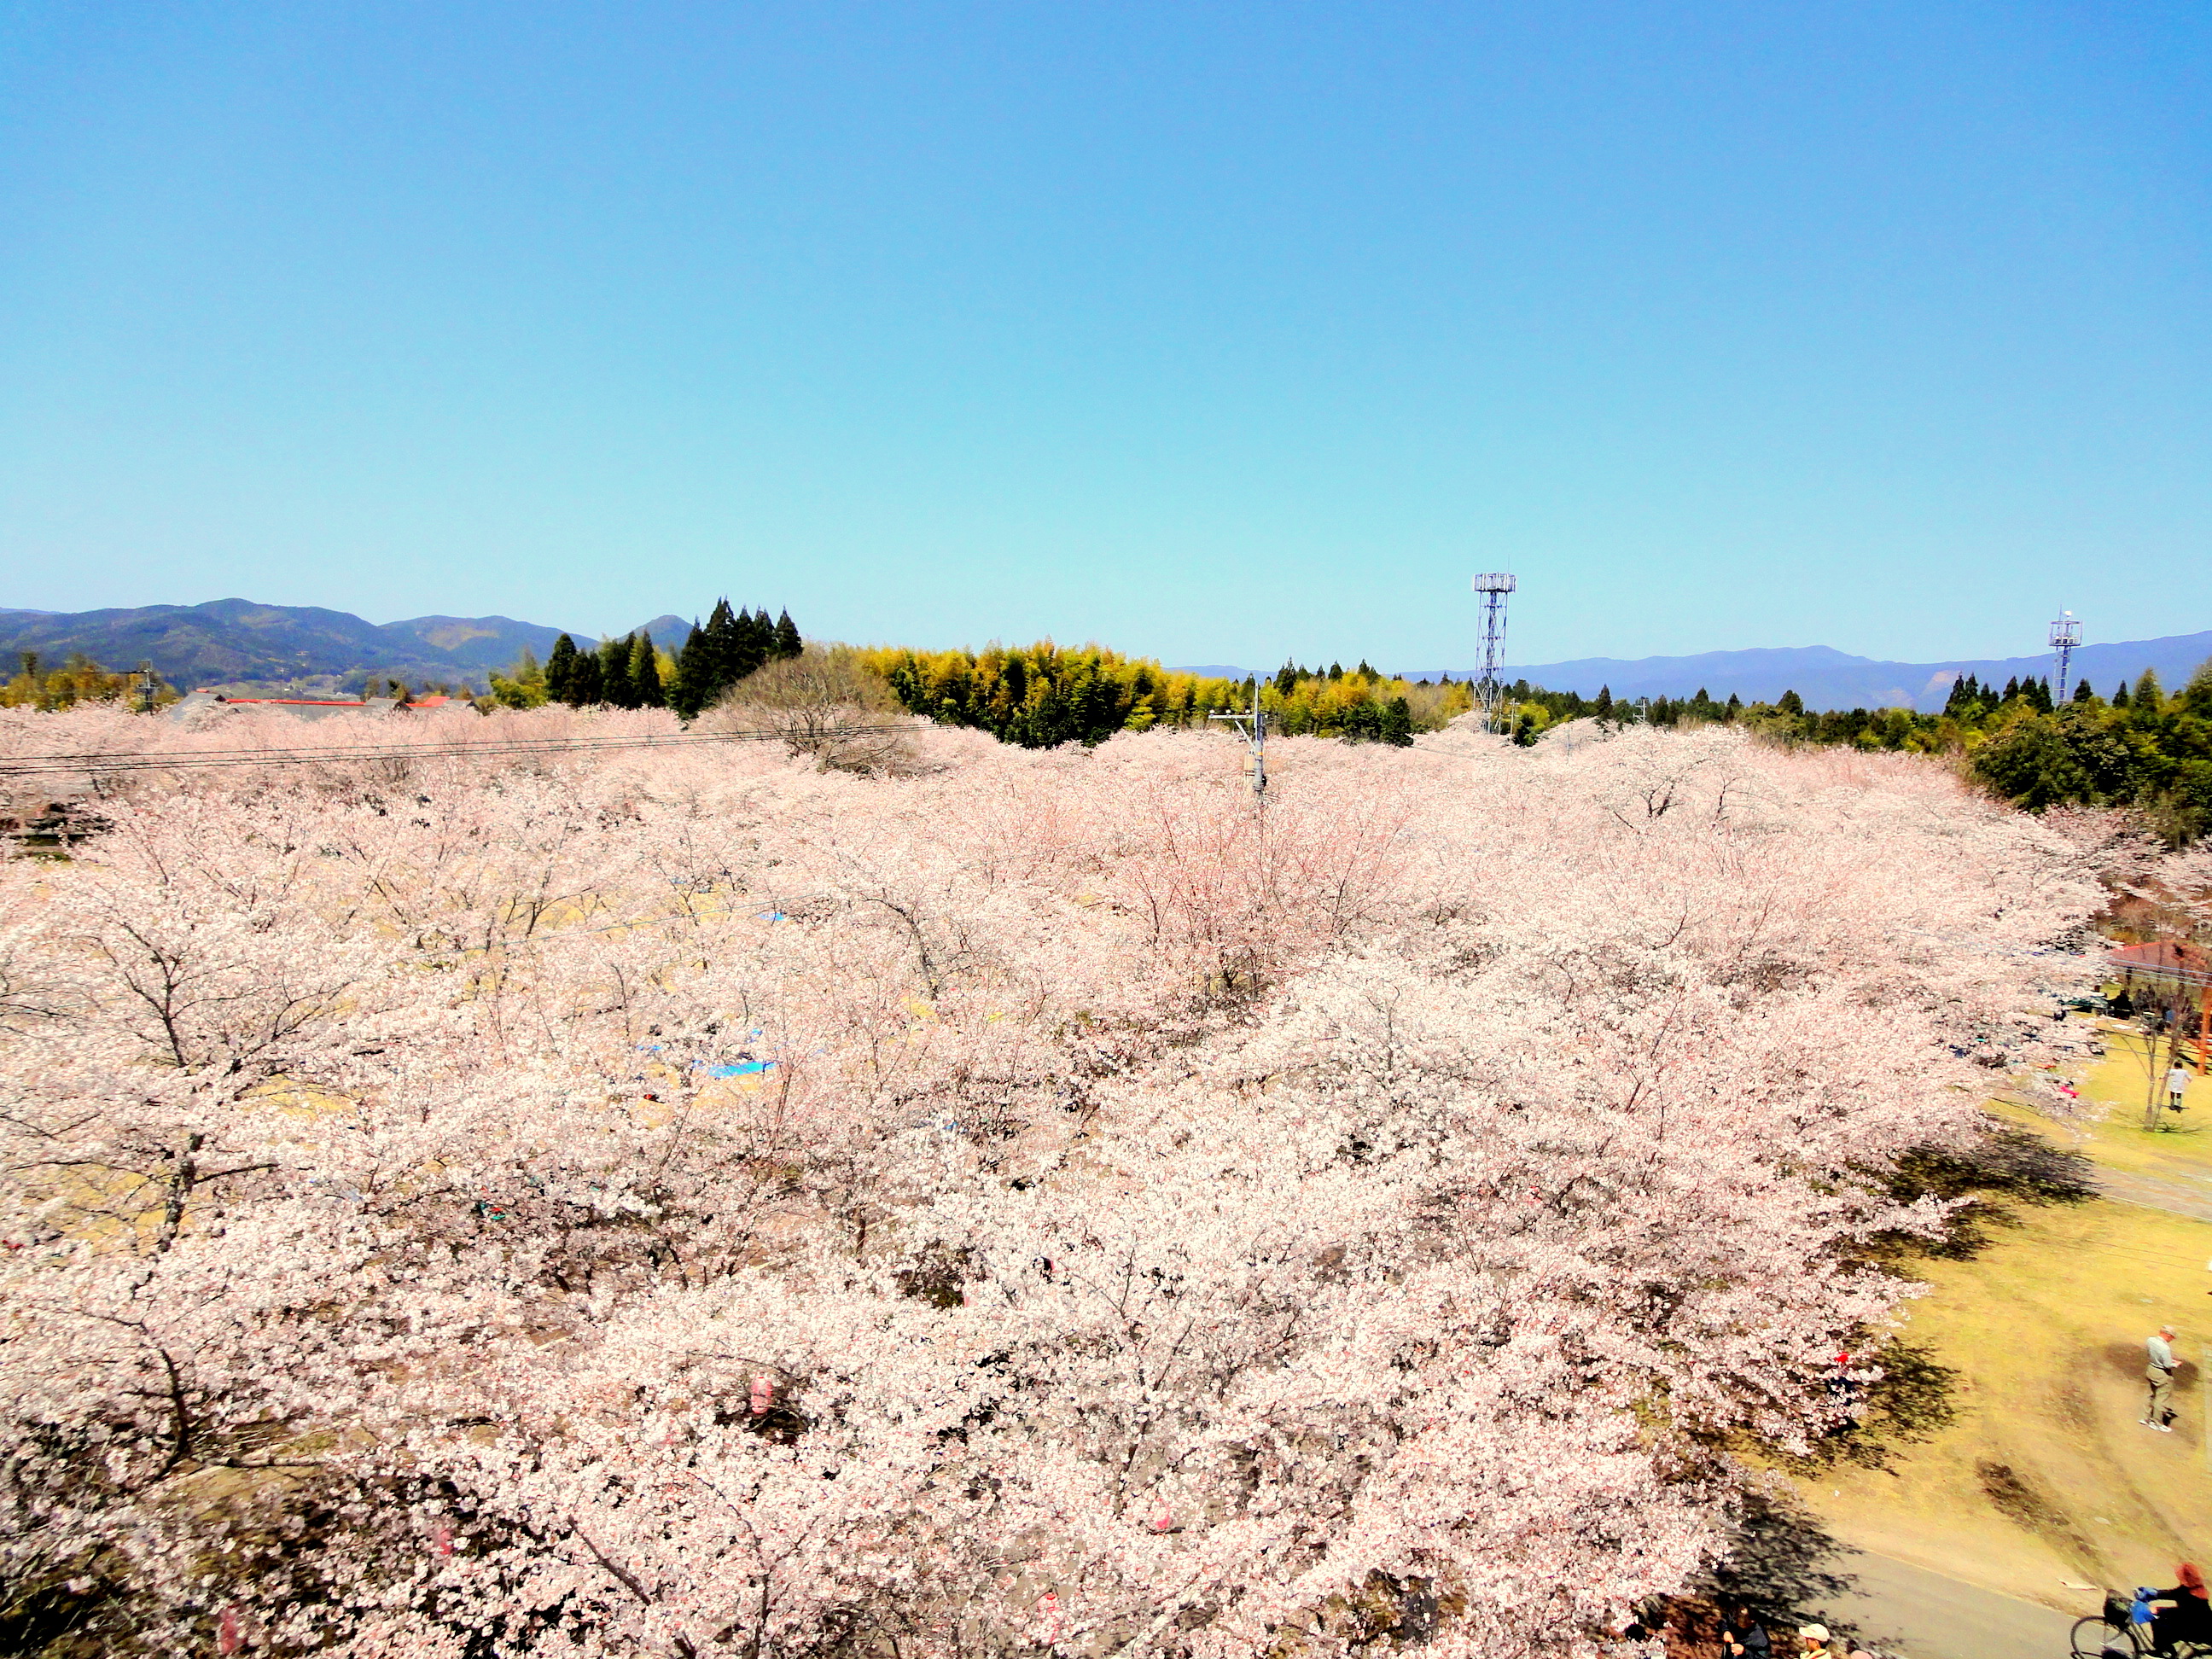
(2045, 1476)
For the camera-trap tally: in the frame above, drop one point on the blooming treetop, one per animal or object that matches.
(680, 1201)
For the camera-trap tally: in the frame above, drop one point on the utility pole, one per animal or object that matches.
(145, 686)
(1254, 727)
(2065, 636)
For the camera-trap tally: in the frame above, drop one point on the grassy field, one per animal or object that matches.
(2046, 1477)
(2116, 1086)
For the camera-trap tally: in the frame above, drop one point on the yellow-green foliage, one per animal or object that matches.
(1358, 705)
(79, 680)
(1040, 694)
(523, 686)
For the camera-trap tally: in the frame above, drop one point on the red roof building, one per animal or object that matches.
(2174, 960)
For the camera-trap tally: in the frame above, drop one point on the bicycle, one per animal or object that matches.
(2114, 1634)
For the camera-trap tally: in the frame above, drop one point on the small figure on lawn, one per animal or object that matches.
(2160, 1375)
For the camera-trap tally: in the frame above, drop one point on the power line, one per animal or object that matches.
(35, 765)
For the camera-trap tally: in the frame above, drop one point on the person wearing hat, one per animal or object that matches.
(1813, 1641)
(2160, 1374)
(2189, 1618)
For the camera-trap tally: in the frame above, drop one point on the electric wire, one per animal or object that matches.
(143, 760)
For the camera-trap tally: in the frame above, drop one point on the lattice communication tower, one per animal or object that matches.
(2065, 635)
(1489, 693)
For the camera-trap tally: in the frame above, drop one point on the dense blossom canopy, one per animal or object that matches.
(680, 1201)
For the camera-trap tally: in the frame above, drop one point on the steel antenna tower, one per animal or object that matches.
(2065, 635)
(1494, 585)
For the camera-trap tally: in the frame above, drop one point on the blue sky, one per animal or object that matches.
(1215, 332)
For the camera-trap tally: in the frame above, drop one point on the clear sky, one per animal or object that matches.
(1215, 332)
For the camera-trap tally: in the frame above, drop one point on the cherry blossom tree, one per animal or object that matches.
(680, 1200)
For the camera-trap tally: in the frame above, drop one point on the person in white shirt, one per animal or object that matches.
(2160, 1372)
(2177, 1084)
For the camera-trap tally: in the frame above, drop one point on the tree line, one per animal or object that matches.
(1040, 694)
(79, 679)
(632, 673)
(1043, 694)
(2140, 747)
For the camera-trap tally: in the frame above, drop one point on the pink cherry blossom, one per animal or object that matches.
(1018, 1198)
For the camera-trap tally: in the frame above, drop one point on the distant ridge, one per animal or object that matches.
(1827, 678)
(238, 643)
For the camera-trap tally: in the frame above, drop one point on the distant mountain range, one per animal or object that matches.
(1828, 679)
(234, 644)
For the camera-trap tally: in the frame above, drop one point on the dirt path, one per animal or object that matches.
(2190, 1198)
(1897, 1608)
(2179, 1189)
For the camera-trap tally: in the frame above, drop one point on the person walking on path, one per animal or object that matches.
(2159, 1373)
(2177, 1084)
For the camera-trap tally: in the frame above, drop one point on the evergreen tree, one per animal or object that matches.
(584, 689)
(616, 689)
(560, 665)
(1286, 677)
(724, 646)
(1603, 707)
(2149, 696)
(2195, 695)
(2011, 692)
(693, 685)
(1397, 725)
(2120, 696)
(644, 674)
(1336, 671)
(1735, 707)
(787, 642)
(1791, 704)
(2082, 693)
(755, 638)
